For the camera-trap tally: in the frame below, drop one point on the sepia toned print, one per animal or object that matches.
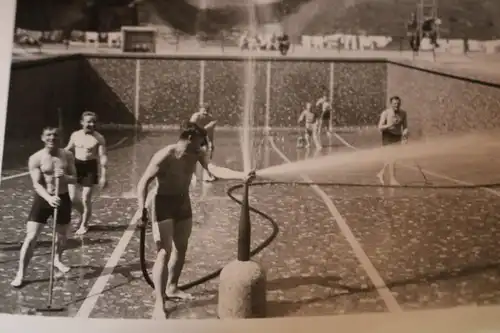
(250, 159)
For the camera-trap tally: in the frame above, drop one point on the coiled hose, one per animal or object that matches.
(274, 225)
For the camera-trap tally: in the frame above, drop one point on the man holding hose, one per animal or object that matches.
(45, 166)
(169, 205)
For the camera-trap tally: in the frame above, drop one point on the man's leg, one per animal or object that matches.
(317, 136)
(392, 174)
(33, 229)
(330, 124)
(387, 139)
(307, 138)
(86, 202)
(62, 224)
(74, 194)
(381, 173)
(162, 233)
(182, 232)
(208, 158)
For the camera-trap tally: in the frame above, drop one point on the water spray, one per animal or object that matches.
(244, 232)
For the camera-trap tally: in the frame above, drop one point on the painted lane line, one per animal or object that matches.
(371, 271)
(102, 281)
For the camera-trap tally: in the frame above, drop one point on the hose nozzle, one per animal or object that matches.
(250, 177)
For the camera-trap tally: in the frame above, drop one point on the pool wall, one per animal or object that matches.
(441, 102)
(171, 88)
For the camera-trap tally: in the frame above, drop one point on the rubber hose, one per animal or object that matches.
(274, 225)
(215, 274)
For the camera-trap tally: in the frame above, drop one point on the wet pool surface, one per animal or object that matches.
(339, 249)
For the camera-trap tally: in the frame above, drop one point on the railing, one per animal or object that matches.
(168, 42)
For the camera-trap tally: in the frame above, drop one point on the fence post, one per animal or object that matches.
(222, 36)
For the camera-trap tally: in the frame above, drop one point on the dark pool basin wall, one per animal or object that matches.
(36, 91)
(107, 87)
(438, 104)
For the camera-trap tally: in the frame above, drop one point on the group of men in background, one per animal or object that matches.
(314, 119)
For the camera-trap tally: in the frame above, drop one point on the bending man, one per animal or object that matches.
(204, 119)
(90, 154)
(45, 166)
(172, 167)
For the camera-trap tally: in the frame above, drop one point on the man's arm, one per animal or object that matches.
(211, 124)
(36, 177)
(70, 174)
(301, 117)
(405, 123)
(194, 118)
(71, 144)
(149, 174)
(210, 127)
(202, 159)
(382, 124)
(103, 156)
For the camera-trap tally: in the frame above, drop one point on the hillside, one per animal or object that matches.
(476, 19)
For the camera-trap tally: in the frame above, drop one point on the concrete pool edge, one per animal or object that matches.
(420, 65)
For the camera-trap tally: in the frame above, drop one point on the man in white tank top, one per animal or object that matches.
(91, 161)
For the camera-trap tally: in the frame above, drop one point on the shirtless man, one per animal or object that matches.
(90, 152)
(310, 119)
(172, 167)
(326, 115)
(45, 166)
(393, 125)
(204, 119)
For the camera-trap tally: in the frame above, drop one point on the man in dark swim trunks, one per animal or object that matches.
(45, 166)
(325, 110)
(172, 167)
(310, 119)
(89, 147)
(393, 124)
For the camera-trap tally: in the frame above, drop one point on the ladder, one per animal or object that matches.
(426, 9)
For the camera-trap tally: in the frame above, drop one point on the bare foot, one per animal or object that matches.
(178, 294)
(18, 281)
(209, 179)
(380, 177)
(61, 267)
(394, 182)
(82, 231)
(159, 311)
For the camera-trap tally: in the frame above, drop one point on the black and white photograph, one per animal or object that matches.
(332, 161)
